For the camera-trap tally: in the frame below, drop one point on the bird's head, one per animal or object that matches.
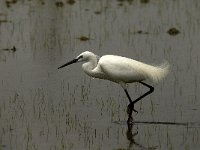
(85, 56)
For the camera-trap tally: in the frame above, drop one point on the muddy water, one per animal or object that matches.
(45, 108)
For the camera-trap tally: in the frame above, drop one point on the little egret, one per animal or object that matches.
(121, 70)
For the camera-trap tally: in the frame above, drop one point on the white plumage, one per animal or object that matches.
(122, 69)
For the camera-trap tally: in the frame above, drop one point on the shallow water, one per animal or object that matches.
(45, 108)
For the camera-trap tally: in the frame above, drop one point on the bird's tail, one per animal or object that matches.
(157, 73)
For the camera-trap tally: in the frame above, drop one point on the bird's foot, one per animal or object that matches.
(131, 108)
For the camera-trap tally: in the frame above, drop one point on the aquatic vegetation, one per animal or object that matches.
(173, 31)
(97, 12)
(83, 38)
(71, 2)
(10, 2)
(42, 108)
(144, 1)
(59, 4)
(13, 49)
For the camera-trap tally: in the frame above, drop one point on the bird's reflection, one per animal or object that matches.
(131, 135)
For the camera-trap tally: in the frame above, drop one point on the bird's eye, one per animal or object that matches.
(80, 57)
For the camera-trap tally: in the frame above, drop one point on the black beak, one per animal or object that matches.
(69, 63)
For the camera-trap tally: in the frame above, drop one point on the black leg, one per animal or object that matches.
(131, 105)
(129, 98)
(151, 89)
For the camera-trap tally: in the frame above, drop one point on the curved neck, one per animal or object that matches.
(90, 65)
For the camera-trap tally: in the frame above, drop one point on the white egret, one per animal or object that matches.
(121, 70)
